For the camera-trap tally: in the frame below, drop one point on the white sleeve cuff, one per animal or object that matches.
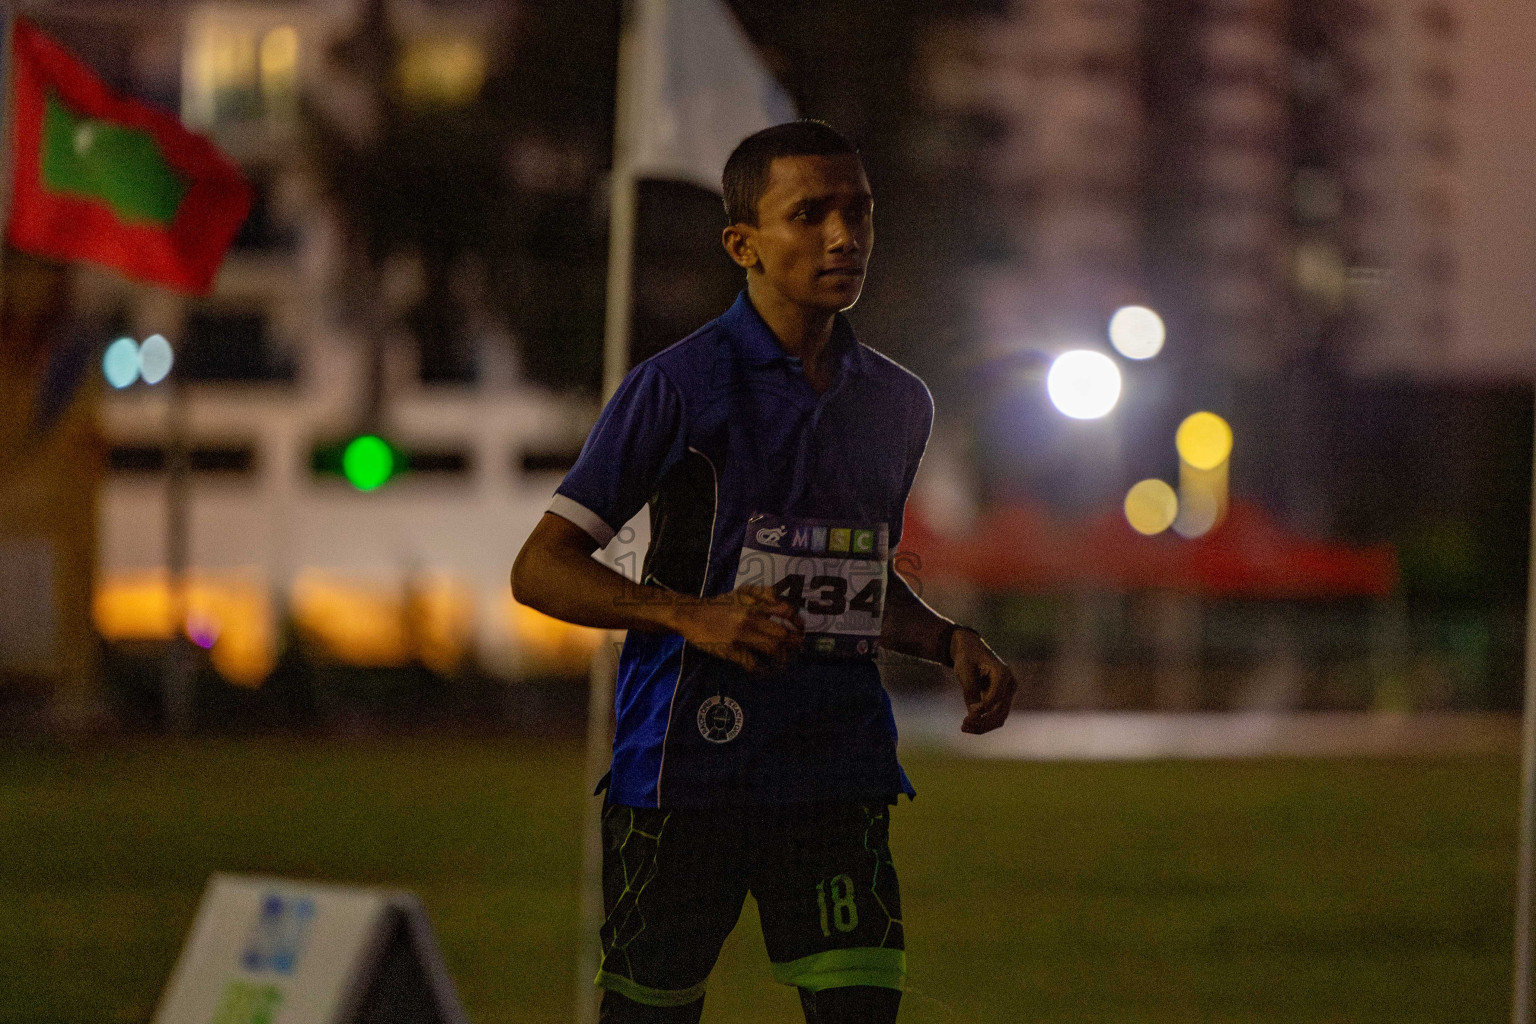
(583, 517)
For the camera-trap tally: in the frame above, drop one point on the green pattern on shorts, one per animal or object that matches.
(637, 856)
(842, 968)
(647, 996)
(873, 818)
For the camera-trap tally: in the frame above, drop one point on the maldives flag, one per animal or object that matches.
(111, 180)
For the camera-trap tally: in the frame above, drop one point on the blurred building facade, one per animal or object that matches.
(1308, 193)
(1320, 199)
(1277, 176)
(1059, 80)
(299, 349)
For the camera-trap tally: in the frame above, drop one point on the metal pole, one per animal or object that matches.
(180, 668)
(1521, 1011)
(600, 683)
(605, 665)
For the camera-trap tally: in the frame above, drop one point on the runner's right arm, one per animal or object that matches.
(556, 574)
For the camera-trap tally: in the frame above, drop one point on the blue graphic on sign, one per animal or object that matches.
(278, 935)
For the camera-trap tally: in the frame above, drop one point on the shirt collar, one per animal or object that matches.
(755, 343)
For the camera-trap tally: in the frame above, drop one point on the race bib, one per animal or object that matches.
(833, 572)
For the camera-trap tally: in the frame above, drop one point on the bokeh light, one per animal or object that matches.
(1151, 507)
(278, 57)
(442, 70)
(368, 462)
(202, 629)
(1083, 384)
(1204, 440)
(1137, 332)
(120, 363)
(231, 614)
(1202, 501)
(1319, 271)
(155, 359)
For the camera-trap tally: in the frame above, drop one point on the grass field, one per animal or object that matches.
(1165, 892)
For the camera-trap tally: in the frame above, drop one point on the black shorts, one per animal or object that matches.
(674, 882)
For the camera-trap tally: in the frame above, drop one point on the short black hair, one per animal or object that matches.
(746, 172)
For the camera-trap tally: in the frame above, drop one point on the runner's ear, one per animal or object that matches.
(736, 238)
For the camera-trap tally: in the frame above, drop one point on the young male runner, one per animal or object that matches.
(754, 748)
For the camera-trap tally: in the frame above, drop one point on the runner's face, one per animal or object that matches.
(814, 230)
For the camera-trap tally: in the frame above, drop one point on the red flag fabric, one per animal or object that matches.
(111, 180)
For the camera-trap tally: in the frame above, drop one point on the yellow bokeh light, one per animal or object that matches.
(355, 623)
(442, 611)
(442, 70)
(1202, 500)
(1204, 440)
(231, 57)
(279, 61)
(1151, 507)
(548, 645)
(1320, 272)
(141, 606)
(379, 625)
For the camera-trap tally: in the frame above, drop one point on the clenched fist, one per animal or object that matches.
(748, 626)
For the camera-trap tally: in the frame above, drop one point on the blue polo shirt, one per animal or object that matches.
(717, 427)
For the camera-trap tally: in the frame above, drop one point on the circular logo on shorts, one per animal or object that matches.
(720, 719)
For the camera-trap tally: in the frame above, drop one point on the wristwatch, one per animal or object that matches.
(947, 637)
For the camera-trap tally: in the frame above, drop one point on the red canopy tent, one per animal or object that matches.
(1022, 547)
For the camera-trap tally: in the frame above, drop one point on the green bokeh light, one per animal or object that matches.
(368, 462)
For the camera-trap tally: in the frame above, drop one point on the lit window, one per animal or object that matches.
(375, 625)
(442, 71)
(547, 646)
(240, 72)
(279, 61)
(229, 613)
(1318, 271)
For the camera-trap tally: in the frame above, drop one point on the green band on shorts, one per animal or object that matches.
(639, 993)
(841, 968)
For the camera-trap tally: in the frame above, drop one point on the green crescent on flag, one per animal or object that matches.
(120, 166)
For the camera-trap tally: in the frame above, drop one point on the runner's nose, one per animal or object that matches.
(841, 236)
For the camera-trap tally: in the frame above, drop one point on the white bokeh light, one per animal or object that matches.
(120, 363)
(1083, 384)
(155, 358)
(1137, 332)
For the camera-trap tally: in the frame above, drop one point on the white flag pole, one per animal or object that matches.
(1521, 1010)
(621, 206)
(600, 683)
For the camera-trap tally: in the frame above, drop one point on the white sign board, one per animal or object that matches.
(277, 951)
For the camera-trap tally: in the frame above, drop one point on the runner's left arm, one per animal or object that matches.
(911, 627)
